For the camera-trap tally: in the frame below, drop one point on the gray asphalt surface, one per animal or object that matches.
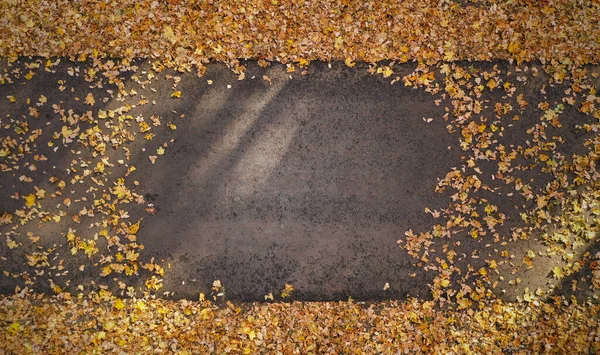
(308, 181)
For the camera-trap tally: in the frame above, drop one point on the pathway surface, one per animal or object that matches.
(307, 181)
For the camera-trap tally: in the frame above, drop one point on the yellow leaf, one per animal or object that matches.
(133, 229)
(109, 325)
(89, 99)
(131, 255)
(99, 167)
(89, 248)
(14, 328)
(445, 283)
(121, 191)
(558, 273)
(102, 114)
(176, 94)
(40, 193)
(528, 296)
(144, 127)
(29, 200)
(66, 132)
(169, 35)
(160, 151)
(303, 62)
(287, 291)
(386, 71)
(141, 305)
(11, 244)
(107, 270)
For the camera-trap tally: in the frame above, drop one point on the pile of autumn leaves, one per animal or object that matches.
(186, 35)
(101, 323)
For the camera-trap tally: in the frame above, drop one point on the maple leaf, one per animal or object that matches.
(119, 305)
(89, 99)
(386, 71)
(133, 229)
(29, 200)
(144, 127)
(303, 62)
(287, 291)
(66, 132)
(121, 191)
(11, 244)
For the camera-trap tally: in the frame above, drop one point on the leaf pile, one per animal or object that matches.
(554, 191)
(102, 323)
(189, 33)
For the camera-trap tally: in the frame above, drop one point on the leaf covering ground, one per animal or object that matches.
(100, 323)
(189, 33)
(184, 35)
